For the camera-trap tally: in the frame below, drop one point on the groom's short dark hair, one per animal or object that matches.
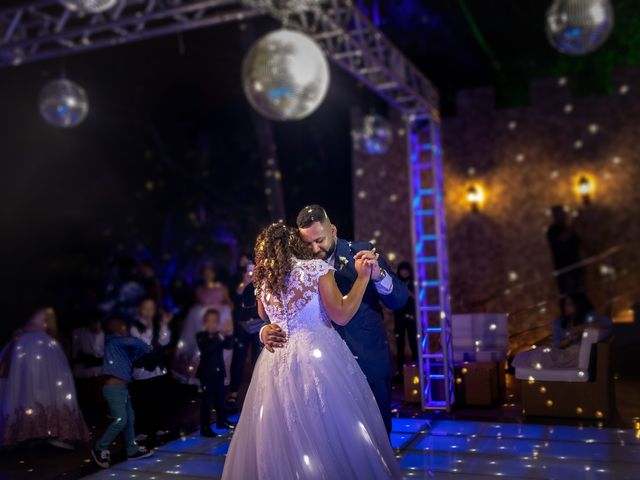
(310, 215)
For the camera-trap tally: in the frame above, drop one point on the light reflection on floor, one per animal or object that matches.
(438, 449)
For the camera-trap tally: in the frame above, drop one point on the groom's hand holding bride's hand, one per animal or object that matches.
(372, 260)
(272, 337)
(364, 267)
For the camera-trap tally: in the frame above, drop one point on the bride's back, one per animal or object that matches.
(299, 307)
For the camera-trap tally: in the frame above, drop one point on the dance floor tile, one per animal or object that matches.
(400, 440)
(408, 425)
(112, 474)
(220, 449)
(450, 450)
(171, 465)
(191, 444)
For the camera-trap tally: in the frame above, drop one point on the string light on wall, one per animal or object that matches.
(585, 188)
(475, 197)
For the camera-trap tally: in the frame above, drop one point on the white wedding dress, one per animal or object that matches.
(309, 412)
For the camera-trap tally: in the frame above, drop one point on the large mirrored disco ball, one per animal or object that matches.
(89, 6)
(285, 75)
(63, 103)
(578, 27)
(374, 137)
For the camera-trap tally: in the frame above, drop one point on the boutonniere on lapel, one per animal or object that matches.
(343, 261)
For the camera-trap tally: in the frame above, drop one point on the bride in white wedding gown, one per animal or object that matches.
(309, 412)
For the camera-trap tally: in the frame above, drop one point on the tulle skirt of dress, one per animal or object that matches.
(38, 397)
(309, 413)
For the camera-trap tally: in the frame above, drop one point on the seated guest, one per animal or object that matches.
(576, 315)
(211, 371)
(37, 393)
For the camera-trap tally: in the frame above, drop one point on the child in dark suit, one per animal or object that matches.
(211, 372)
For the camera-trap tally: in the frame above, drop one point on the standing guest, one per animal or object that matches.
(247, 327)
(37, 393)
(150, 282)
(565, 251)
(405, 320)
(211, 372)
(120, 351)
(149, 384)
(209, 294)
(87, 350)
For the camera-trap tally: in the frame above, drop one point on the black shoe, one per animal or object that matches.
(208, 433)
(101, 457)
(141, 453)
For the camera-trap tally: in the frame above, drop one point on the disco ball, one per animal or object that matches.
(374, 137)
(89, 6)
(63, 103)
(578, 27)
(285, 75)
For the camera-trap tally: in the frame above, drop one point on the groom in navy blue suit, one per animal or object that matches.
(365, 334)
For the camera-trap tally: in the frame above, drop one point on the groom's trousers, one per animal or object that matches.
(381, 388)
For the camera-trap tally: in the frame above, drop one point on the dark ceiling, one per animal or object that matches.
(462, 44)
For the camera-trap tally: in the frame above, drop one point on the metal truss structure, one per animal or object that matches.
(43, 29)
(431, 266)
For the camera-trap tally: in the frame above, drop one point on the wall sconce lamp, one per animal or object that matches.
(585, 189)
(475, 197)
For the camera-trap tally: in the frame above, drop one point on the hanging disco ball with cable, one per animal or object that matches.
(285, 75)
(63, 103)
(89, 6)
(375, 136)
(578, 27)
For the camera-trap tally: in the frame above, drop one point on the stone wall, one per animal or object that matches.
(525, 160)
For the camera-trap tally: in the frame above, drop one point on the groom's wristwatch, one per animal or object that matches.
(383, 274)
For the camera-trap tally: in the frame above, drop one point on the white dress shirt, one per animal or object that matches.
(164, 337)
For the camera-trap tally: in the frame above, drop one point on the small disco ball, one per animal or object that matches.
(89, 6)
(285, 75)
(374, 137)
(578, 27)
(63, 103)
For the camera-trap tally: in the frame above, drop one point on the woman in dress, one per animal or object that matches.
(309, 412)
(37, 393)
(210, 294)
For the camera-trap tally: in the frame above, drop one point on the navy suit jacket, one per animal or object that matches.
(366, 334)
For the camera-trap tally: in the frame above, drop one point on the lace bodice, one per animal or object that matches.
(300, 307)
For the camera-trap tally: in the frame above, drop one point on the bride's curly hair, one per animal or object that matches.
(276, 246)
